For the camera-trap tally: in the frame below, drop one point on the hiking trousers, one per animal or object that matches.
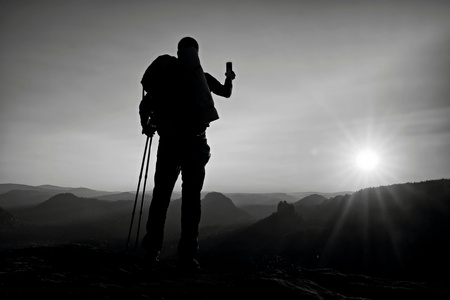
(188, 156)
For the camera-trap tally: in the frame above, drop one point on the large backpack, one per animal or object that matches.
(168, 100)
(159, 74)
(177, 94)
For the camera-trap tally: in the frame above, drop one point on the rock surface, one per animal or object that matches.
(84, 272)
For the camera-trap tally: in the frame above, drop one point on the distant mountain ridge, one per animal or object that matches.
(400, 229)
(18, 198)
(6, 187)
(241, 199)
(313, 199)
(301, 195)
(79, 191)
(222, 211)
(16, 195)
(67, 208)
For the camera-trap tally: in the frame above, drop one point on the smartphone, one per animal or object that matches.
(229, 67)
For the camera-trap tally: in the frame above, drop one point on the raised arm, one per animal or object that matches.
(219, 89)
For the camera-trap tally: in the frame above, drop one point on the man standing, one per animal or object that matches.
(179, 106)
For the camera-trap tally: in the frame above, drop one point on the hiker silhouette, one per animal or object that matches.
(178, 105)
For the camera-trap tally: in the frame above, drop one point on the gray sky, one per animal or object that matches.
(317, 82)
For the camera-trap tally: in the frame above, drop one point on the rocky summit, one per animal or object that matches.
(77, 271)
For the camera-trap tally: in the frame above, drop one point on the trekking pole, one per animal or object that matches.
(143, 194)
(137, 193)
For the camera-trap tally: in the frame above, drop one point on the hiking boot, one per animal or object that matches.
(151, 260)
(188, 264)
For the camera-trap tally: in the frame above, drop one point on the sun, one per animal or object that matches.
(367, 160)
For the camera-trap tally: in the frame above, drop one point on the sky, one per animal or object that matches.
(318, 83)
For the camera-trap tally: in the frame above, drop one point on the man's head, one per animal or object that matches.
(187, 42)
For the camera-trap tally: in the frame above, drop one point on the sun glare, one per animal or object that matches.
(367, 160)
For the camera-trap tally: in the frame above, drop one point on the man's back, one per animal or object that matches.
(170, 98)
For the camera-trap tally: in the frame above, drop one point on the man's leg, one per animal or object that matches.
(166, 174)
(193, 175)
